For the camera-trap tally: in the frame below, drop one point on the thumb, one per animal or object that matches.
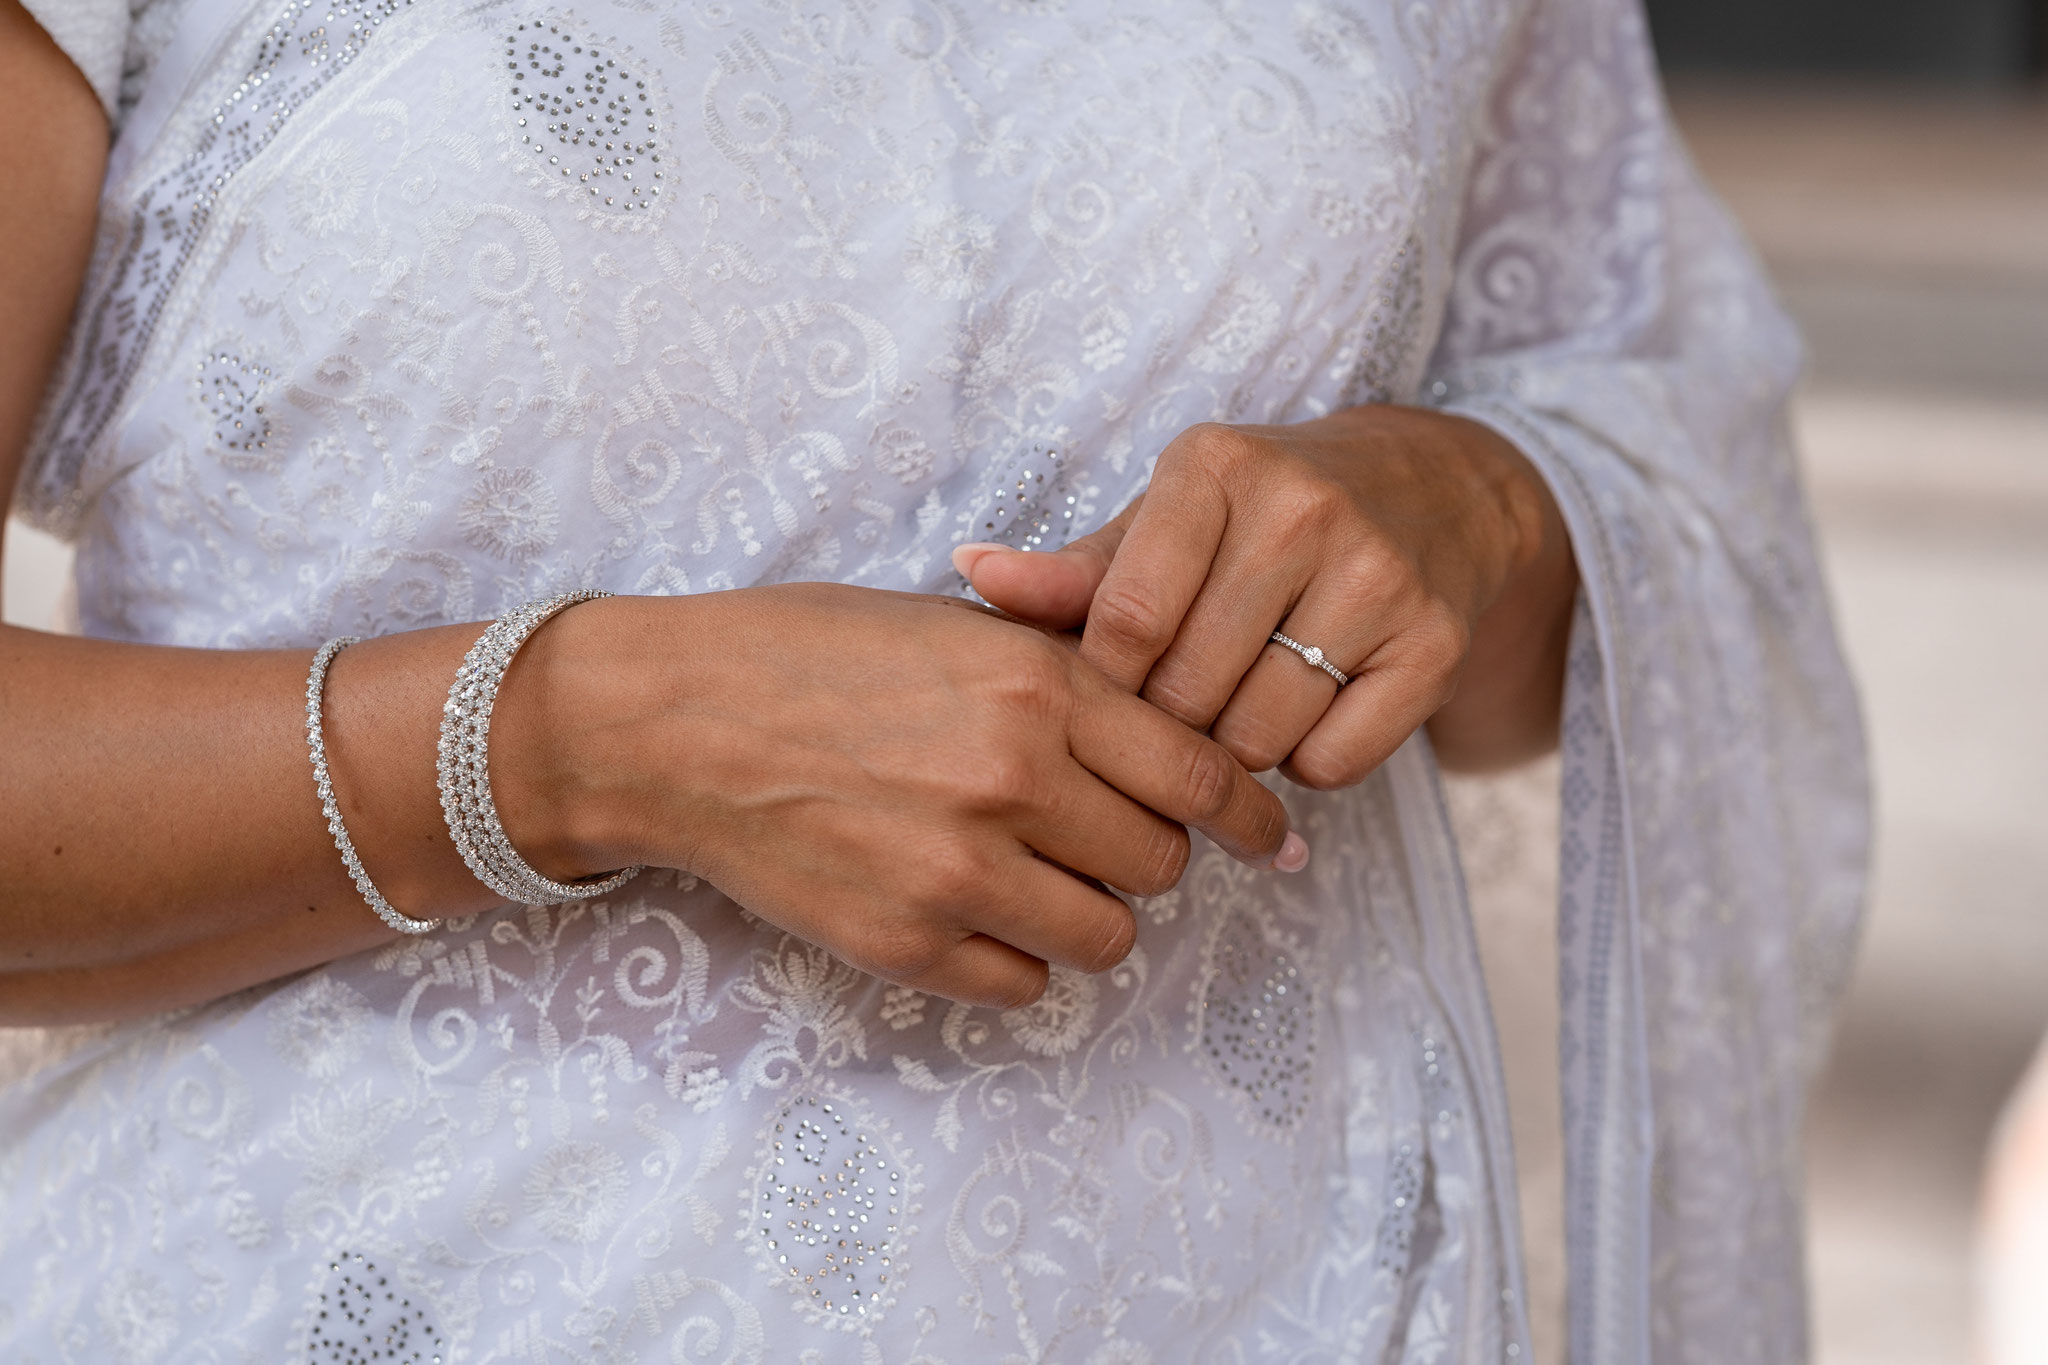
(1045, 589)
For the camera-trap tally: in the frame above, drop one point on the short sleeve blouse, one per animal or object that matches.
(94, 34)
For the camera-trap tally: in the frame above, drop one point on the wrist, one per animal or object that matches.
(1523, 529)
(564, 786)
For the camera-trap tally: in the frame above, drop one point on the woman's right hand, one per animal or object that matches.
(912, 782)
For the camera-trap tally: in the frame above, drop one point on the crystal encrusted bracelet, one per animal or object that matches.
(463, 765)
(316, 746)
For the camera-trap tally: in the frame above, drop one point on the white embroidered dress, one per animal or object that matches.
(408, 311)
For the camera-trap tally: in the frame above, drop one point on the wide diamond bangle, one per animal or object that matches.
(464, 766)
(316, 746)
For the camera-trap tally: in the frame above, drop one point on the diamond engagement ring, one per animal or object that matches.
(1312, 655)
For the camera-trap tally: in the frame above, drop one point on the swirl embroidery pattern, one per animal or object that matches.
(919, 273)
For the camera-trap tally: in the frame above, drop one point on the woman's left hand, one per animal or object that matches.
(1410, 546)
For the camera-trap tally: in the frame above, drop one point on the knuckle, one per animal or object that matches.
(1322, 768)
(1161, 865)
(1439, 648)
(1254, 744)
(1209, 780)
(1114, 939)
(1369, 572)
(1000, 783)
(1128, 614)
(951, 877)
(1269, 823)
(1033, 675)
(1216, 447)
(904, 949)
(1299, 508)
(1179, 696)
(1027, 989)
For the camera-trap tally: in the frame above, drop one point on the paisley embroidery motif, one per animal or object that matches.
(587, 125)
(1255, 1021)
(833, 1197)
(921, 248)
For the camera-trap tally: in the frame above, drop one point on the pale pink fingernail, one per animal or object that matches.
(1293, 854)
(965, 557)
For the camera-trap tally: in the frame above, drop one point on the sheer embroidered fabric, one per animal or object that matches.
(408, 313)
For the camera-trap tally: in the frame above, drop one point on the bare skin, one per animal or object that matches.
(1420, 551)
(927, 790)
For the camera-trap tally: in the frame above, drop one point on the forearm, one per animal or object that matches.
(192, 974)
(160, 800)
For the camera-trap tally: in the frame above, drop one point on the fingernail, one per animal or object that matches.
(1293, 854)
(965, 557)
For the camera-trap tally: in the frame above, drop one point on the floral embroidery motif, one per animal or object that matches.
(509, 513)
(320, 1026)
(326, 192)
(926, 255)
(138, 1318)
(576, 1192)
(950, 254)
(1057, 1022)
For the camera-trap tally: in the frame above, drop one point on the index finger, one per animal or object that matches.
(1155, 760)
(1159, 569)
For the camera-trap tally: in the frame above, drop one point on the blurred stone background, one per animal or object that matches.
(1909, 234)
(1890, 158)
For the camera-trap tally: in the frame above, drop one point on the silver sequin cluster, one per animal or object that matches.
(828, 1209)
(463, 765)
(364, 1318)
(1396, 1239)
(592, 121)
(232, 389)
(1258, 1027)
(1034, 503)
(316, 746)
(309, 43)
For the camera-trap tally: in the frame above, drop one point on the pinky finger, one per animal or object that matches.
(1372, 716)
(980, 970)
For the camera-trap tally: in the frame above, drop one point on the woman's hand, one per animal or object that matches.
(913, 782)
(1410, 546)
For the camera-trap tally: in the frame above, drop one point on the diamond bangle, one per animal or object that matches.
(463, 766)
(316, 746)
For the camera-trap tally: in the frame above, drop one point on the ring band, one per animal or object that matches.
(1311, 654)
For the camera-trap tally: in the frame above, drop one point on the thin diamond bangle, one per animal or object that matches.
(463, 766)
(316, 746)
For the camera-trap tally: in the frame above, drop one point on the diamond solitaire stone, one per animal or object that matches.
(1312, 656)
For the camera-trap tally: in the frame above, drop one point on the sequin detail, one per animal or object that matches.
(309, 43)
(586, 124)
(364, 1317)
(829, 1208)
(1037, 501)
(233, 390)
(1255, 1031)
(1395, 1245)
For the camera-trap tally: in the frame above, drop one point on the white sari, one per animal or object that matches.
(407, 311)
